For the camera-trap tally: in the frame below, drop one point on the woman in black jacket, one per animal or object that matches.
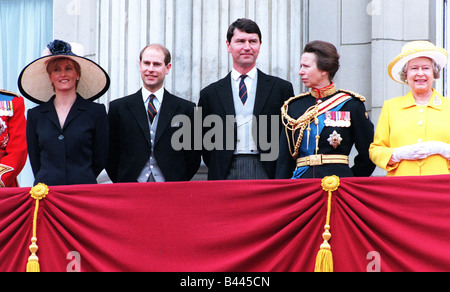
(67, 135)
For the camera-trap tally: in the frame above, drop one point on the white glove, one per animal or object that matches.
(438, 148)
(410, 152)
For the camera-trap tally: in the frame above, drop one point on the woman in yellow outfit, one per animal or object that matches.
(412, 136)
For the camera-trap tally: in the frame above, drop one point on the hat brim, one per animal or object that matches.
(396, 66)
(34, 82)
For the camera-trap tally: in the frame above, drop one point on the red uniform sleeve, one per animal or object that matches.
(15, 153)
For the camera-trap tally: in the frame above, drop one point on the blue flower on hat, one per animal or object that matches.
(58, 47)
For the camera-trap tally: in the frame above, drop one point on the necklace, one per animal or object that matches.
(423, 102)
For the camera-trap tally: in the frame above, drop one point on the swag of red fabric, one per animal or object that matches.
(385, 224)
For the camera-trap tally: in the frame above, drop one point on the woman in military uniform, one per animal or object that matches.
(321, 126)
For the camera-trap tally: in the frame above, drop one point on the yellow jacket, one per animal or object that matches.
(403, 123)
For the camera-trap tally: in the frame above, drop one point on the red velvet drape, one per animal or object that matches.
(232, 226)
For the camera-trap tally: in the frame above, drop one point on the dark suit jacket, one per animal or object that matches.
(130, 140)
(217, 99)
(73, 155)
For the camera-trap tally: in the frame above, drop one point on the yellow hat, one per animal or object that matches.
(416, 49)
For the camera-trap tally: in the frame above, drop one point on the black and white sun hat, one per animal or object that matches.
(34, 83)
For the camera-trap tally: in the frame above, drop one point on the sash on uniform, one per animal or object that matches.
(307, 148)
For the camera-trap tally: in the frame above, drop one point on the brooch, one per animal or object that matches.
(335, 139)
(3, 127)
(4, 142)
(437, 101)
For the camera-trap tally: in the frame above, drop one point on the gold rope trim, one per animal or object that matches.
(300, 124)
(304, 121)
(39, 192)
(356, 95)
(324, 260)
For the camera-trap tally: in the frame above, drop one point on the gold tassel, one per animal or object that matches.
(324, 259)
(39, 192)
(33, 260)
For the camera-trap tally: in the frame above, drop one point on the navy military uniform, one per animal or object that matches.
(13, 144)
(321, 128)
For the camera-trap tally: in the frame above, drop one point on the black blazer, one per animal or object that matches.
(217, 99)
(130, 140)
(73, 155)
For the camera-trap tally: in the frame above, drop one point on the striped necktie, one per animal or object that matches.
(151, 109)
(243, 94)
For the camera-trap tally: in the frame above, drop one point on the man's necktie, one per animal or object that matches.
(151, 109)
(243, 90)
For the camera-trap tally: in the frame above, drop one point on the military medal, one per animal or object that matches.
(335, 139)
(337, 119)
(6, 108)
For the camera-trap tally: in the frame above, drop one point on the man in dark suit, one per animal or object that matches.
(252, 101)
(143, 125)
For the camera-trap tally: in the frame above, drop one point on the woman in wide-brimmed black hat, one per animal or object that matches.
(67, 135)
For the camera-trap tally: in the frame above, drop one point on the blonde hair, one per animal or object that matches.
(51, 65)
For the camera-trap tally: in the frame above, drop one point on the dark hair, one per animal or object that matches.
(245, 25)
(327, 56)
(167, 55)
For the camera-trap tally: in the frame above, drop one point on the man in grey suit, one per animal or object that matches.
(253, 100)
(142, 128)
